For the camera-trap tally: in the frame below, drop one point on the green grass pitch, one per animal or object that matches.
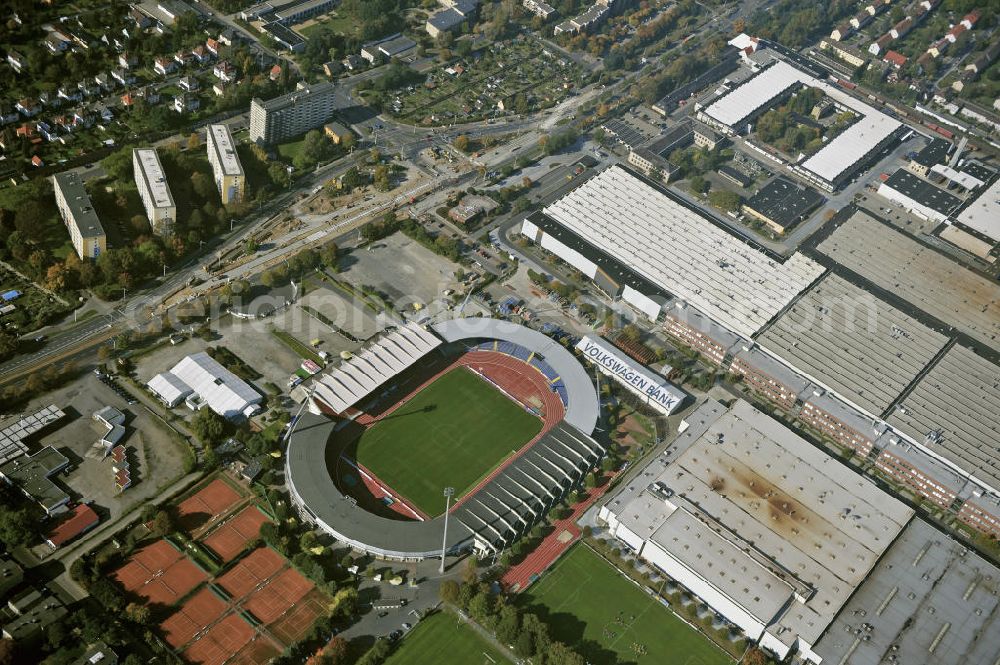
(452, 433)
(591, 607)
(442, 638)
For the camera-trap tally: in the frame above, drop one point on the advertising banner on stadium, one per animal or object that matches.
(646, 383)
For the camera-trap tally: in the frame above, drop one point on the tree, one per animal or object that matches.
(560, 654)
(16, 527)
(480, 607)
(193, 142)
(509, 624)
(203, 186)
(8, 345)
(699, 185)
(345, 603)
(335, 652)
(461, 142)
(449, 591)
(724, 199)
(8, 652)
(377, 654)
(209, 427)
(755, 656)
(137, 613)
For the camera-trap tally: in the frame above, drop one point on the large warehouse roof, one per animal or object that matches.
(849, 341)
(734, 108)
(929, 600)
(358, 376)
(927, 279)
(959, 399)
(983, 214)
(795, 519)
(678, 249)
(169, 387)
(223, 392)
(839, 155)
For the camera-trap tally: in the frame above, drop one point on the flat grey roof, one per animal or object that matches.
(932, 599)
(935, 152)
(925, 278)
(221, 141)
(298, 95)
(151, 171)
(983, 214)
(752, 355)
(446, 19)
(960, 399)
(853, 343)
(14, 433)
(923, 192)
(784, 201)
(802, 515)
(84, 216)
(31, 474)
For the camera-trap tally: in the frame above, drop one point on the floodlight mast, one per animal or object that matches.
(448, 493)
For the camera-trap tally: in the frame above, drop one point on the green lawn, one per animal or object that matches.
(450, 434)
(442, 638)
(291, 149)
(590, 606)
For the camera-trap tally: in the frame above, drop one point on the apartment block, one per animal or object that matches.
(701, 334)
(230, 179)
(292, 114)
(154, 191)
(767, 376)
(85, 230)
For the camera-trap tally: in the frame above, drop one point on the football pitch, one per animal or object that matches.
(452, 433)
(605, 617)
(443, 638)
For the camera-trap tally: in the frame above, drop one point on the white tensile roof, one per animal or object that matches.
(682, 252)
(221, 390)
(168, 387)
(358, 376)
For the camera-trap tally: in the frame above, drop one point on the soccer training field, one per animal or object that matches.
(452, 433)
(441, 638)
(591, 607)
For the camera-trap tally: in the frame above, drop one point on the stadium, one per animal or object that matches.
(498, 413)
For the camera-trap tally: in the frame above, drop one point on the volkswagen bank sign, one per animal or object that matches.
(640, 380)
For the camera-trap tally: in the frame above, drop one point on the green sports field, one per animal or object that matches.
(441, 638)
(590, 606)
(452, 433)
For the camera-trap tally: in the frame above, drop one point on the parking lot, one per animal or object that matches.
(154, 453)
(405, 271)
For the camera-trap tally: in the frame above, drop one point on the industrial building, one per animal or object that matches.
(771, 533)
(982, 215)
(452, 14)
(652, 156)
(954, 413)
(639, 242)
(202, 381)
(385, 49)
(848, 341)
(929, 600)
(77, 212)
(154, 191)
(835, 162)
(934, 153)
(14, 436)
(291, 114)
(919, 196)
(32, 474)
(226, 167)
(781, 204)
(924, 277)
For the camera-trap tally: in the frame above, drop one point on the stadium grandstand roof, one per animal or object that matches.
(752, 512)
(676, 248)
(356, 378)
(847, 340)
(954, 412)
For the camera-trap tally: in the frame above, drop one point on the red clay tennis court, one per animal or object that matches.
(229, 539)
(258, 652)
(221, 641)
(250, 571)
(159, 573)
(297, 621)
(206, 504)
(280, 593)
(193, 616)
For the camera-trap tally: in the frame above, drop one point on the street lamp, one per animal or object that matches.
(448, 493)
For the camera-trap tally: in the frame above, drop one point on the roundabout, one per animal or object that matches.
(498, 412)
